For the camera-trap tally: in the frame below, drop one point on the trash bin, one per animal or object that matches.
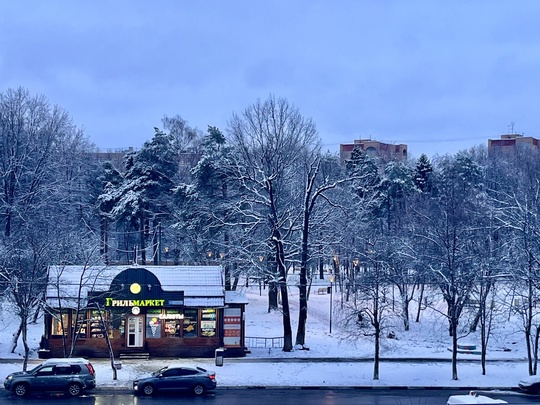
(219, 356)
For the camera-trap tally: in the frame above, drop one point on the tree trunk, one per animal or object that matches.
(529, 349)
(24, 335)
(536, 339)
(302, 313)
(376, 359)
(483, 337)
(453, 323)
(272, 296)
(236, 280)
(405, 313)
(227, 271)
(287, 330)
(15, 338)
(420, 298)
(108, 341)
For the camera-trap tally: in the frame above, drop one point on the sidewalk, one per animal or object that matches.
(296, 372)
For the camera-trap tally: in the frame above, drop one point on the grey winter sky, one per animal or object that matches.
(438, 75)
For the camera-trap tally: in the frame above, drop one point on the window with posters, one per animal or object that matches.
(173, 322)
(153, 323)
(189, 327)
(232, 324)
(208, 322)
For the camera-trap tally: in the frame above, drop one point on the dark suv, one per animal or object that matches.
(54, 375)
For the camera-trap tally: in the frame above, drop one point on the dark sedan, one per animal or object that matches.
(177, 378)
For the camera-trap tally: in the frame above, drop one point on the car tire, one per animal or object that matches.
(21, 390)
(148, 389)
(198, 389)
(74, 389)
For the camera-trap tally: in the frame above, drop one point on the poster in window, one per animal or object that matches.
(190, 323)
(232, 327)
(208, 322)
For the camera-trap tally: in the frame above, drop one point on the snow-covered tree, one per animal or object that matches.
(449, 228)
(43, 166)
(423, 174)
(516, 198)
(144, 197)
(270, 140)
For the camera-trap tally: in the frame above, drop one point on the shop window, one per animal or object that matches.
(153, 323)
(118, 321)
(97, 331)
(82, 325)
(189, 327)
(60, 324)
(208, 322)
(173, 323)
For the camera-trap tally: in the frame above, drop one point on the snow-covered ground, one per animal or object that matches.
(427, 339)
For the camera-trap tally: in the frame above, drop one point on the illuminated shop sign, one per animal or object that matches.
(170, 316)
(110, 302)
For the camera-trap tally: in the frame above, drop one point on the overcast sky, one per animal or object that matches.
(439, 76)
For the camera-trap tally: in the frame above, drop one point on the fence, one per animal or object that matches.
(264, 342)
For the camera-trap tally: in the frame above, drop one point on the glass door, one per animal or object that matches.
(135, 331)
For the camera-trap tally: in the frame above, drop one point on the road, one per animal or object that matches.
(272, 397)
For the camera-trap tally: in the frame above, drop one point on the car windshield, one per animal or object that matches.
(33, 370)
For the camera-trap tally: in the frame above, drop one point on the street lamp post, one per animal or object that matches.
(331, 278)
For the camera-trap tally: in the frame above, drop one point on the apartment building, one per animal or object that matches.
(508, 144)
(384, 151)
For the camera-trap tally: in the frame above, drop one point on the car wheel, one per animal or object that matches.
(198, 389)
(148, 389)
(21, 390)
(74, 389)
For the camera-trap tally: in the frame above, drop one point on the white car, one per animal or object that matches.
(473, 398)
(530, 385)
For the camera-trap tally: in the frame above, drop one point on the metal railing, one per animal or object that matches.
(264, 342)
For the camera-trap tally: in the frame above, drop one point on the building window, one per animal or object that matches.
(118, 322)
(208, 322)
(97, 331)
(153, 323)
(82, 325)
(173, 323)
(60, 324)
(189, 328)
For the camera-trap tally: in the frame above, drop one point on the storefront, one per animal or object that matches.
(154, 311)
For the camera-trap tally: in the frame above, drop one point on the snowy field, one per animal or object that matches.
(427, 339)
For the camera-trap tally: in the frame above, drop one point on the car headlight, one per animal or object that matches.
(9, 377)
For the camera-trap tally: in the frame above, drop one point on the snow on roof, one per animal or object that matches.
(201, 284)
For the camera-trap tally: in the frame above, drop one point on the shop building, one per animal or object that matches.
(153, 311)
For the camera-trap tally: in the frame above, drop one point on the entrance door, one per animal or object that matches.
(135, 331)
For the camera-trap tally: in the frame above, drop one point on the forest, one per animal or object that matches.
(262, 198)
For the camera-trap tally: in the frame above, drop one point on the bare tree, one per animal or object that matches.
(41, 185)
(517, 202)
(270, 139)
(449, 228)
